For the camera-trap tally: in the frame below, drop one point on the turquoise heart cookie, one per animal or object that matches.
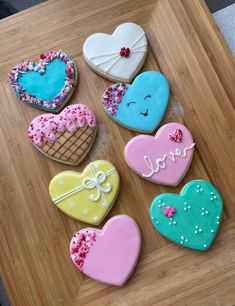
(48, 84)
(191, 218)
(141, 105)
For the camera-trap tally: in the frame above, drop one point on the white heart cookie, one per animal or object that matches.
(117, 57)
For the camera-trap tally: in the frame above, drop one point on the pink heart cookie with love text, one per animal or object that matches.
(108, 255)
(163, 158)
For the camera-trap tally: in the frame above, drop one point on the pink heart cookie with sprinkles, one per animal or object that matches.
(66, 137)
(164, 158)
(108, 255)
(48, 84)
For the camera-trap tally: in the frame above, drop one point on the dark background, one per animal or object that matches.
(9, 7)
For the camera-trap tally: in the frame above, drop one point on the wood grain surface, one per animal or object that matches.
(188, 48)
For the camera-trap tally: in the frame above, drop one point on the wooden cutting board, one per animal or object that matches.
(188, 48)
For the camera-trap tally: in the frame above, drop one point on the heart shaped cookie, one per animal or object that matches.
(108, 255)
(163, 158)
(190, 219)
(48, 84)
(66, 137)
(139, 106)
(117, 57)
(86, 196)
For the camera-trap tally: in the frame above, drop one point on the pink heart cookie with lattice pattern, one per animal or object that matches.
(66, 137)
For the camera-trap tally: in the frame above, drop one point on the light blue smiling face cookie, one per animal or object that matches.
(141, 105)
(190, 219)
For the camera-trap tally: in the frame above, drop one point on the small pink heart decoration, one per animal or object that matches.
(163, 158)
(108, 255)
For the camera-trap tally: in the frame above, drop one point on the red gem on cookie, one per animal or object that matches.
(42, 56)
(125, 52)
(176, 136)
(169, 211)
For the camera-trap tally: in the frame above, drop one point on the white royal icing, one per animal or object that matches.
(102, 51)
(160, 162)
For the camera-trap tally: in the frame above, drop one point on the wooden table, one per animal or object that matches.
(188, 48)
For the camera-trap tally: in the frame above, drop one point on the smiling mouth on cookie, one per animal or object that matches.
(145, 113)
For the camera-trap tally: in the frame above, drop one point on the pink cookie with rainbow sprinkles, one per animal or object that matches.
(108, 255)
(66, 137)
(47, 85)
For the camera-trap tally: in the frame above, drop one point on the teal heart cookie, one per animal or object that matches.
(139, 106)
(190, 219)
(48, 84)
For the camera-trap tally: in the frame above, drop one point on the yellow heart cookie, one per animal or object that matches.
(86, 196)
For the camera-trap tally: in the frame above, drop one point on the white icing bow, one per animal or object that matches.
(96, 181)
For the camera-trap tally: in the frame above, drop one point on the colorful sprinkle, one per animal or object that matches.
(113, 97)
(169, 211)
(45, 59)
(176, 136)
(125, 52)
(71, 118)
(81, 244)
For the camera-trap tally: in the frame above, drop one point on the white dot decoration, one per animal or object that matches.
(71, 204)
(199, 188)
(96, 218)
(186, 206)
(183, 239)
(85, 211)
(197, 229)
(213, 196)
(61, 182)
(204, 212)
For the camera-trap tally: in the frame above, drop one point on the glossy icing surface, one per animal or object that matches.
(139, 106)
(109, 255)
(160, 158)
(33, 82)
(86, 196)
(45, 127)
(118, 55)
(46, 84)
(190, 219)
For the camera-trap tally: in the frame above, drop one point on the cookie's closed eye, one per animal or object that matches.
(129, 103)
(146, 97)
